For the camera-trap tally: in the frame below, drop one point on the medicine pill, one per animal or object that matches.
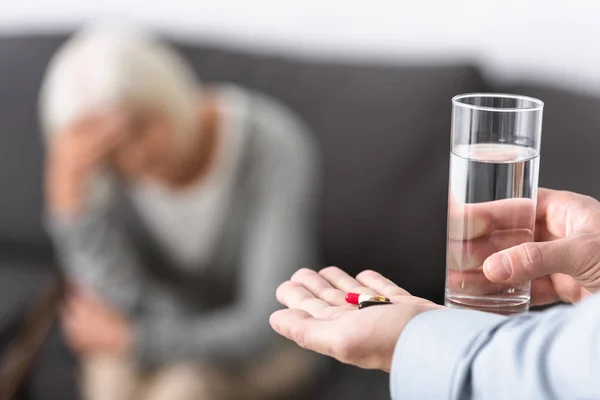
(356, 298)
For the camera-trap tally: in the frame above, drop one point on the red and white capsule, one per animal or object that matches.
(357, 298)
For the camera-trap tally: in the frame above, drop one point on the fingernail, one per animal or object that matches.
(478, 227)
(499, 267)
(462, 229)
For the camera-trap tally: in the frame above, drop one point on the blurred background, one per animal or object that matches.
(373, 82)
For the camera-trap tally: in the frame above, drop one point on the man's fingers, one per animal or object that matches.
(561, 210)
(469, 221)
(542, 292)
(516, 213)
(284, 321)
(319, 286)
(295, 295)
(338, 278)
(573, 256)
(556, 287)
(470, 254)
(308, 332)
(524, 262)
(567, 288)
(344, 282)
(380, 284)
(473, 282)
(466, 222)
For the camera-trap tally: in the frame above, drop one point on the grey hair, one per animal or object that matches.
(104, 66)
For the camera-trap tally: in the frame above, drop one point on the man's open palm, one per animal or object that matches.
(319, 318)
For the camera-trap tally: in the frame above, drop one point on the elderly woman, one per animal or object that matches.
(176, 211)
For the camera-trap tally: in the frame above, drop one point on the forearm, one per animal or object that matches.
(96, 255)
(455, 354)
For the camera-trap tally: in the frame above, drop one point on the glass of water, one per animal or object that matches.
(494, 164)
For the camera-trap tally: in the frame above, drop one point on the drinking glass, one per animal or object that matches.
(494, 165)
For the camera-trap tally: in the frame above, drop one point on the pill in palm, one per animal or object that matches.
(357, 298)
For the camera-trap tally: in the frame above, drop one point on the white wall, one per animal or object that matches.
(548, 40)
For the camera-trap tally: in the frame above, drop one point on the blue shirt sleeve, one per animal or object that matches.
(460, 354)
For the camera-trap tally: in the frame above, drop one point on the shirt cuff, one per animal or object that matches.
(430, 351)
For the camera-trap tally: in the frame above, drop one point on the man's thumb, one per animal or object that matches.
(531, 260)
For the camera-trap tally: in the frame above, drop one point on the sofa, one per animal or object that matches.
(383, 131)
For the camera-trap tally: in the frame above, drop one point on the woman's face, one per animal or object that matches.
(151, 149)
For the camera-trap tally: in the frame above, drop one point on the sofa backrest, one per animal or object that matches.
(383, 132)
(570, 138)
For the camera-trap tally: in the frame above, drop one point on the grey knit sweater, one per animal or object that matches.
(218, 314)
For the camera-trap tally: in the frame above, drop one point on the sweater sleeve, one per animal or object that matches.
(95, 253)
(279, 240)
